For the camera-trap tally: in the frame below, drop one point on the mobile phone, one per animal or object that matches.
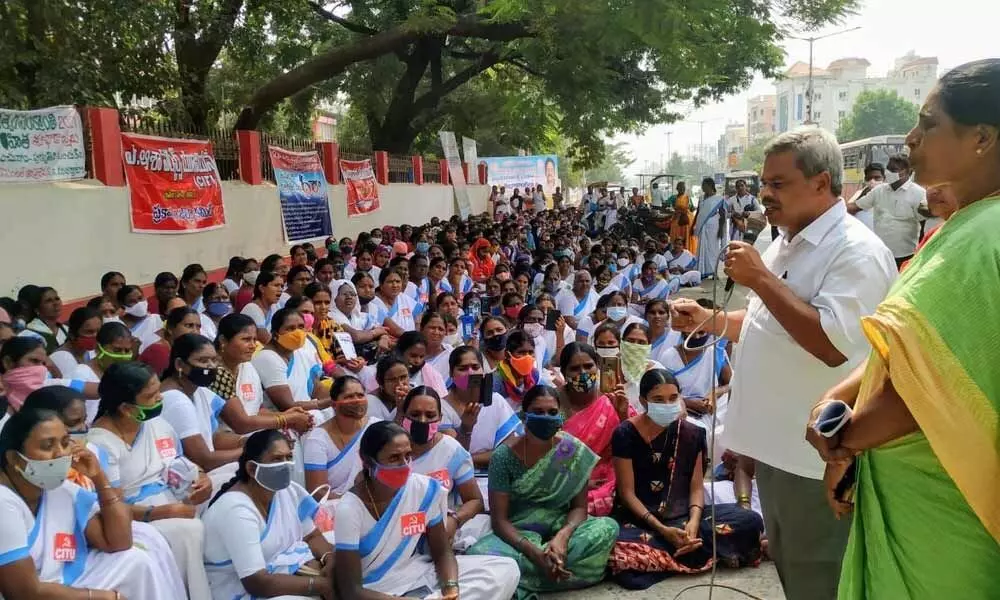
(486, 389)
(484, 305)
(468, 327)
(609, 374)
(551, 318)
(844, 492)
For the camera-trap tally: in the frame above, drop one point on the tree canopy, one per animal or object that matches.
(511, 73)
(877, 112)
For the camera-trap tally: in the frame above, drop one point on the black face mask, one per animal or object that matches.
(420, 432)
(201, 376)
(496, 343)
(364, 301)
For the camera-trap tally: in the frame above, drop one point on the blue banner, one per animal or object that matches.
(305, 205)
(523, 171)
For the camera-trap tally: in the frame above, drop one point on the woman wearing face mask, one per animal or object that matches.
(289, 368)
(591, 417)
(478, 428)
(441, 457)
(661, 336)
(244, 295)
(615, 310)
(143, 453)
(180, 321)
(192, 408)
(392, 379)
(369, 337)
(649, 286)
(538, 504)
(81, 343)
(391, 308)
(217, 305)
(493, 342)
(412, 348)
(238, 383)
(517, 372)
(387, 514)
(659, 461)
(266, 294)
(260, 536)
(88, 544)
(634, 349)
(331, 450)
(114, 344)
(531, 320)
(691, 362)
(434, 330)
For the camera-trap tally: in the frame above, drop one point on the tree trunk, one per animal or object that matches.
(193, 84)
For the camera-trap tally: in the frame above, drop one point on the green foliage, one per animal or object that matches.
(753, 158)
(877, 112)
(612, 167)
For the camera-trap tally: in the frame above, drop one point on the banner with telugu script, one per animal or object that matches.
(305, 205)
(450, 146)
(41, 145)
(173, 185)
(362, 187)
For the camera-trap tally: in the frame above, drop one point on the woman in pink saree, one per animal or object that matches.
(592, 418)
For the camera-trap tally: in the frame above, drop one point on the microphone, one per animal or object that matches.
(755, 225)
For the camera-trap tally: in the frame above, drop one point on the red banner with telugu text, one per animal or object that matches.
(173, 185)
(362, 187)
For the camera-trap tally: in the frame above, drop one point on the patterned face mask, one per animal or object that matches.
(634, 360)
(583, 383)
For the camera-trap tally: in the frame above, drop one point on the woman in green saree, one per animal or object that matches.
(538, 504)
(926, 420)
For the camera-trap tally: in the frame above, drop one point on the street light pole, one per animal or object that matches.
(809, 87)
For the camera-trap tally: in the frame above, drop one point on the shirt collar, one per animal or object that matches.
(814, 232)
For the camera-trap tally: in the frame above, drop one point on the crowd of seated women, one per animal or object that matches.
(429, 428)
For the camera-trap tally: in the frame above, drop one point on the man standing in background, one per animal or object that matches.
(898, 207)
(656, 197)
(738, 206)
(798, 337)
(874, 177)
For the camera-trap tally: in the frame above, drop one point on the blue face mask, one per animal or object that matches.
(663, 414)
(423, 247)
(543, 427)
(218, 309)
(617, 313)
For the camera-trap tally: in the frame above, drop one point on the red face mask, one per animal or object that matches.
(87, 343)
(512, 312)
(392, 477)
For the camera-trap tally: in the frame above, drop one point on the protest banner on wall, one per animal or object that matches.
(305, 205)
(362, 188)
(471, 155)
(173, 184)
(41, 145)
(523, 171)
(456, 173)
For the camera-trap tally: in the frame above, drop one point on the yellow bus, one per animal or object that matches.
(860, 153)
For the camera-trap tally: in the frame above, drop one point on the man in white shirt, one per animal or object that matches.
(874, 177)
(656, 196)
(898, 206)
(799, 336)
(738, 206)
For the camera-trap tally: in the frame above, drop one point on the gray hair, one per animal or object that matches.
(816, 151)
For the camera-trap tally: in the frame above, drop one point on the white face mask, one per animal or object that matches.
(138, 310)
(112, 320)
(623, 262)
(46, 474)
(533, 329)
(663, 414)
(891, 177)
(453, 340)
(607, 352)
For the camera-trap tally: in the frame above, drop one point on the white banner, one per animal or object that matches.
(41, 145)
(450, 146)
(470, 154)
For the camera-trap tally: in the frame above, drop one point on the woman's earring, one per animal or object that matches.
(979, 152)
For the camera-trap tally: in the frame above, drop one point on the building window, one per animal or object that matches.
(842, 96)
(817, 96)
(916, 92)
(817, 114)
(841, 114)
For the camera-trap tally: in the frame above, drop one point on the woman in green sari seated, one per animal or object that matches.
(538, 504)
(926, 419)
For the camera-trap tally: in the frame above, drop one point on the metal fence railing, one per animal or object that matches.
(224, 146)
(432, 172)
(400, 169)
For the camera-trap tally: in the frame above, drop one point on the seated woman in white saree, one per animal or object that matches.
(290, 369)
(441, 457)
(434, 330)
(345, 310)
(412, 348)
(260, 538)
(391, 308)
(650, 286)
(136, 316)
(192, 409)
(684, 264)
(69, 405)
(615, 305)
(144, 461)
(391, 512)
(392, 378)
(479, 428)
(114, 344)
(661, 336)
(86, 540)
(330, 450)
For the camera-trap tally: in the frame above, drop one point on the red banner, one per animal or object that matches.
(362, 188)
(173, 184)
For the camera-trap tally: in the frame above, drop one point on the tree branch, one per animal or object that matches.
(345, 23)
(431, 98)
(524, 67)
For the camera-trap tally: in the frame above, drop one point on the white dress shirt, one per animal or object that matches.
(895, 215)
(842, 270)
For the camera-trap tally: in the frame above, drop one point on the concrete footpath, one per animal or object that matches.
(761, 582)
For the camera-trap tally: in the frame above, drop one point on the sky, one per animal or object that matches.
(955, 31)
